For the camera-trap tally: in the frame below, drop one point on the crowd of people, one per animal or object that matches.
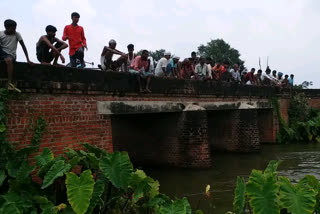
(49, 48)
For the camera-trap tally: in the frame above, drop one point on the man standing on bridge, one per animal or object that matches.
(77, 41)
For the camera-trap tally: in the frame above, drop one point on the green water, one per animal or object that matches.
(298, 160)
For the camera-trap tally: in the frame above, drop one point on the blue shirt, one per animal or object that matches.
(290, 81)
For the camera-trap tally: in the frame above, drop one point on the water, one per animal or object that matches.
(298, 160)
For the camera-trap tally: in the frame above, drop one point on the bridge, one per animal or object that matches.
(182, 123)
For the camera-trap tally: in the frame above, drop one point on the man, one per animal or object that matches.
(209, 64)
(270, 79)
(126, 65)
(9, 39)
(258, 78)
(291, 80)
(49, 47)
(274, 74)
(285, 82)
(107, 54)
(172, 67)
(161, 68)
(235, 73)
(194, 59)
(202, 70)
(77, 41)
(250, 78)
(140, 65)
(219, 70)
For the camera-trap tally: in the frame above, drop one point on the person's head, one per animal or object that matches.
(280, 74)
(208, 60)
(112, 44)
(144, 55)
(176, 59)
(193, 55)
(51, 31)
(202, 61)
(274, 72)
(167, 55)
(236, 67)
(186, 62)
(75, 17)
(253, 70)
(291, 76)
(226, 64)
(10, 26)
(130, 48)
(268, 70)
(259, 72)
(286, 76)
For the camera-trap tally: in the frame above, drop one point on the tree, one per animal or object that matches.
(220, 51)
(156, 55)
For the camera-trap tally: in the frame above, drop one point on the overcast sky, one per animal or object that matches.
(285, 30)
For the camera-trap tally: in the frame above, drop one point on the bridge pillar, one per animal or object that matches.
(234, 130)
(175, 139)
(193, 139)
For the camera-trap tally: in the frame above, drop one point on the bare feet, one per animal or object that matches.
(148, 90)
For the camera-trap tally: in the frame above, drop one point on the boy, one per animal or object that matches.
(9, 39)
(77, 41)
(45, 43)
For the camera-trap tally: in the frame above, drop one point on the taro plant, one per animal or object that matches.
(83, 182)
(267, 193)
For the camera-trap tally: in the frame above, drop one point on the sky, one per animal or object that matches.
(286, 31)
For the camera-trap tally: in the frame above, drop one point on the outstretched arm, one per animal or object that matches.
(114, 51)
(25, 51)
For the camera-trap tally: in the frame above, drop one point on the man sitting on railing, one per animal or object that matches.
(9, 39)
(107, 54)
(47, 50)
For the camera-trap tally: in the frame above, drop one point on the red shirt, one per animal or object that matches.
(76, 38)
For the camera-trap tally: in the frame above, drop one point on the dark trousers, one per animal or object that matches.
(79, 55)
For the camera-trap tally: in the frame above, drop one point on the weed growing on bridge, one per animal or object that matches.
(267, 193)
(304, 122)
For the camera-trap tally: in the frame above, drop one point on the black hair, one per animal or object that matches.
(51, 28)
(291, 75)
(259, 71)
(130, 46)
(253, 69)
(274, 71)
(75, 14)
(145, 51)
(9, 23)
(193, 53)
(286, 75)
(208, 58)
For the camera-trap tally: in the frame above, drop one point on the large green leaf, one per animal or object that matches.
(79, 190)
(187, 206)
(57, 170)
(117, 168)
(94, 149)
(97, 192)
(3, 177)
(262, 193)
(239, 196)
(311, 181)
(175, 207)
(45, 157)
(272, 168)
(24, 171)
(143, 187)
(10, 208)
(299, 199)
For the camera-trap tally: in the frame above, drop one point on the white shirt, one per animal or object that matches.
(9, 43)
(163, 62)
(210, 70)
(235, 75)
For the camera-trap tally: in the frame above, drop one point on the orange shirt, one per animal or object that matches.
(219, 71)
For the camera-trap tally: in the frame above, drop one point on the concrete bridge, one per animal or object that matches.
(182, 123)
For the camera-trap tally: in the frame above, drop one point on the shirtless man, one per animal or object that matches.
(106, 57)
(49, 47)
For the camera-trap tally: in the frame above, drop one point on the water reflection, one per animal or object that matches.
(298, 160)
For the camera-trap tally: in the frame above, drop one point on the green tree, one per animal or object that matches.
(220, 51)
(156, 55)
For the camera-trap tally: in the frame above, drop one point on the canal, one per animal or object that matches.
(298, 160)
